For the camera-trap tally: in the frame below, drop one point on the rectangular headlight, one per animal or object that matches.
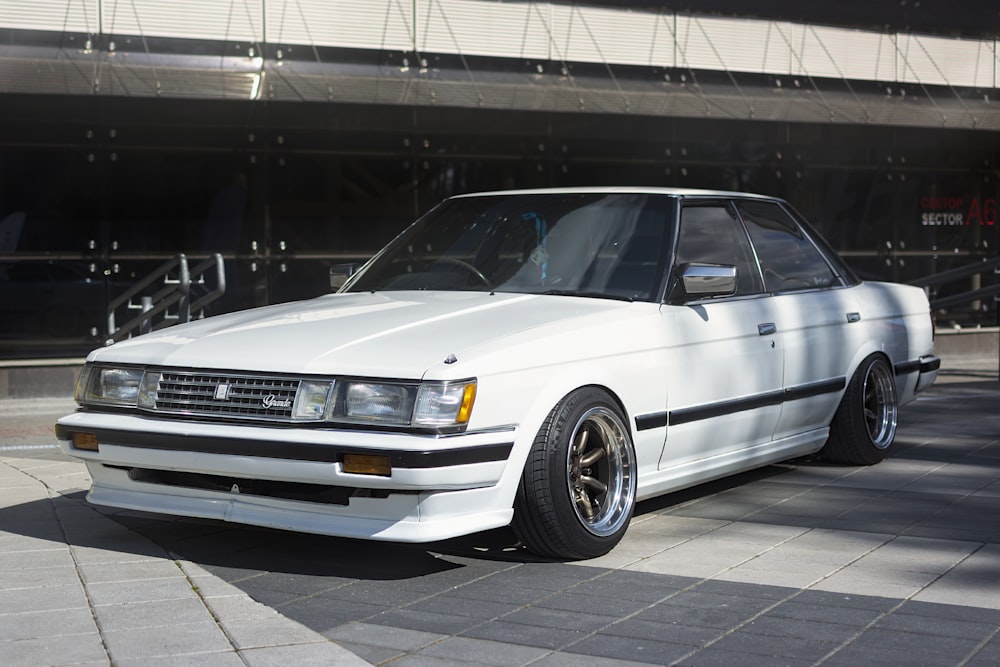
(379, 403)
(444, 404)
(111, 386)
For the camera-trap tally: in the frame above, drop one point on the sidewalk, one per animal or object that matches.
(78, 588)
(892, 563)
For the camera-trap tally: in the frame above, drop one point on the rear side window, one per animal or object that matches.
(712, 234)
(788, 259)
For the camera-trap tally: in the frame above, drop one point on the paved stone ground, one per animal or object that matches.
(803, 563)
(78, 588)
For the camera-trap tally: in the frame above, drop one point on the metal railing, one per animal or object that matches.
(987, 265)
(973, 296)
(167, 287)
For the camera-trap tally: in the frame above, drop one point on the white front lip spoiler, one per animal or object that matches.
(423, 517)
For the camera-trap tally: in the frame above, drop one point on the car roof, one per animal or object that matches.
(620, 189)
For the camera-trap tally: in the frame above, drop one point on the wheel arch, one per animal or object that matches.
(555, 389)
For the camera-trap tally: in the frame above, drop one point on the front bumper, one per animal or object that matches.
(439, 486)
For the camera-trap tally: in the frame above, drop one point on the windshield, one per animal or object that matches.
(588, 244)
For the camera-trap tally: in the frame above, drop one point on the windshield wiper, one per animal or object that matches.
(593, 295)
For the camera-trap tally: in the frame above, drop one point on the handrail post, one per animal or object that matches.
(184, 306)
(147, 323)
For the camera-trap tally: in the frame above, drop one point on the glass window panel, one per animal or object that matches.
(788, 258)
(714, 235)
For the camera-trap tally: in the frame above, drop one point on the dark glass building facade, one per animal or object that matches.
(97, 190)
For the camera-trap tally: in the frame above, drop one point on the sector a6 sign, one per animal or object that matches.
(957, 211)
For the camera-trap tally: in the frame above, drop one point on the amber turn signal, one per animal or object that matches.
(86, 441)
(366, 464)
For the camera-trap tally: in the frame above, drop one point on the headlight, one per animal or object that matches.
(379, 403)
(147, 390)
(440, 406)
(444, 404)
(313, 401)
(109, 386)
(428, 405)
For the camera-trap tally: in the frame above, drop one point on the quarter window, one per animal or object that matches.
(788, 258)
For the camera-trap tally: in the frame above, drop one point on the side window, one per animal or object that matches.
(788, 259)
(712, 234)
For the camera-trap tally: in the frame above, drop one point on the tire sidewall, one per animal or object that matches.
(546, 518)
(558, 441)
(850, 440)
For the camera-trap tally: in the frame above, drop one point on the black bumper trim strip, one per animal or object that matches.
(294, 451)
(924, 364)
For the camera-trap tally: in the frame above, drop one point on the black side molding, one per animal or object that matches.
(699, 412)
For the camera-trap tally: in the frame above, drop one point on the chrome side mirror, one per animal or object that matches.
(708, 280)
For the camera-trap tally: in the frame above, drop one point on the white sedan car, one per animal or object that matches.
(538, 358)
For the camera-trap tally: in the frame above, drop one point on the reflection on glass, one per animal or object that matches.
(594, 244)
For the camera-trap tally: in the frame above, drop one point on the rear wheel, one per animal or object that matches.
(864, 427)
(577, 491)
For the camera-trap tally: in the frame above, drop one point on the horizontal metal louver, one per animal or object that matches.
(225, 20)
(481, 27)
(607, 36)
(56, 15)
(542, 43)
(942, 61)
(347, 23)
(838, 53)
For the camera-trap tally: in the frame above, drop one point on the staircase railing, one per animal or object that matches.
(167, 287)
(987, 265)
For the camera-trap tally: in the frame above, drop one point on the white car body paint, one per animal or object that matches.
(527, 352)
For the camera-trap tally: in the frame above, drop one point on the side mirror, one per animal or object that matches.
(708, 280)
(339, 273)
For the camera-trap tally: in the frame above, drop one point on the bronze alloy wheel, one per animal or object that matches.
(600, 475)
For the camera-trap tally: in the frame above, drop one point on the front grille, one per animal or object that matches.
(221, 395)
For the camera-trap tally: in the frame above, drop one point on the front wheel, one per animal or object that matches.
(864, 426)
(577, 491)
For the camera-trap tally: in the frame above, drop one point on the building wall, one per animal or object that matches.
(108, 168)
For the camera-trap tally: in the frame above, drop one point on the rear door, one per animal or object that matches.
(817, 315)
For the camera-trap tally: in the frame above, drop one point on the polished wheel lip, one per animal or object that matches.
(880, 405)
(600, 428)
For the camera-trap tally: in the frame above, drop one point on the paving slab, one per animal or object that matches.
(803, 563)
(79, 588)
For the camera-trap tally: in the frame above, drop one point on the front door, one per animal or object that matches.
(726, 365)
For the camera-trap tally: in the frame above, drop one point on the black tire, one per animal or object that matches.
(577, 490)
(864, 426)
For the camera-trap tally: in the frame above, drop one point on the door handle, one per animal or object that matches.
(767, 329)
(853, 317)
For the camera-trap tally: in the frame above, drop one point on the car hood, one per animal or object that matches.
(386, 334)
